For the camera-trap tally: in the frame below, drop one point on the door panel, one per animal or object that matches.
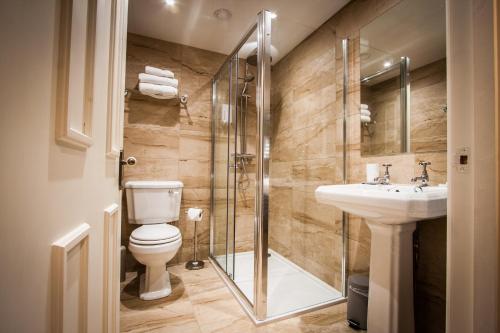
(52, 188)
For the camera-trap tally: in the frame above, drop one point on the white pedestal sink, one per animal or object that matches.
(391, 212)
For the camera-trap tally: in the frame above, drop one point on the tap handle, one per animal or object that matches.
(386, 166)
(424, 164)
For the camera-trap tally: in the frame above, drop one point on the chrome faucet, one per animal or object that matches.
(386, 178)
(424, 178)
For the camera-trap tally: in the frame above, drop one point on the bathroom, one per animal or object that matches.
(251, 166)
(312, 241)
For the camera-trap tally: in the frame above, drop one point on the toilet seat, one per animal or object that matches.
(155, 234)
(172, 246)
(156, 242)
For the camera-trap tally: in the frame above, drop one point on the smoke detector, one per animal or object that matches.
(222, 14)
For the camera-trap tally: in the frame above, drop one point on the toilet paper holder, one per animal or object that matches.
(195, 264)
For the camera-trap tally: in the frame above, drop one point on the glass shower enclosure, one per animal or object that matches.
(274, 251)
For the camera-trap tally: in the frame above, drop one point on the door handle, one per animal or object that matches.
(129, 161)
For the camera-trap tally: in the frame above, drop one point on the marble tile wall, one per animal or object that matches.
(304, 156)
(306, 151)
(428, 98)
(172, 142)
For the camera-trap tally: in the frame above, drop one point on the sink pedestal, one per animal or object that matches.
(392, 212)
(390, 299)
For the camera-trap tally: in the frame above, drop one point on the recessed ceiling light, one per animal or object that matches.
(223, 14)
(273, 15)
(387, 64)
(170, 2)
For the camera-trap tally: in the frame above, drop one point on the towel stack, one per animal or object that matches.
(365, 113)
(158, 83)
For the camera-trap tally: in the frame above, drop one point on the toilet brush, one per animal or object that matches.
(195, 215)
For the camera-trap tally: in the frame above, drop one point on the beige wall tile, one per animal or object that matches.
(172, 142)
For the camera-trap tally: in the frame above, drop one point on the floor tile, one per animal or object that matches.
(202, 303)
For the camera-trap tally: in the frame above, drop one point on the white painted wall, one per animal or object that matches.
(472, 235)
(47, 190)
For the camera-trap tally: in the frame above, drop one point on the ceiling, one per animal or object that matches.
(192, 22)
(414, 29)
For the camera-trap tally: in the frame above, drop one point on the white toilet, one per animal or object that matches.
(154, 204)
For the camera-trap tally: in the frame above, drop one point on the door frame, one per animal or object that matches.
(472, 227)
(496, 42)
(118, 19)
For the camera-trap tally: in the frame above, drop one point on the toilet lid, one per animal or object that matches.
(155, 232)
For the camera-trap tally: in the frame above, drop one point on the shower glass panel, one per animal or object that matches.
(234, 130)
(220, 187)
(244, 161)
(305, 237)
(275, 140)
(232, 167)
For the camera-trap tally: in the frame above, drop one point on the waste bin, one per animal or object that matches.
(357, 301)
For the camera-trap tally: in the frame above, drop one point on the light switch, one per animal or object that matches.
(462, 159)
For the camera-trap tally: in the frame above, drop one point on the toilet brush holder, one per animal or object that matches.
(195, 215)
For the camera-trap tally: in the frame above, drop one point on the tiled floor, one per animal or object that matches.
(201, 303)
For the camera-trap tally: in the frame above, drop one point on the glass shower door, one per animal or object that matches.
(239, 216)
(232, 167)
(225, 88)
(220, 191)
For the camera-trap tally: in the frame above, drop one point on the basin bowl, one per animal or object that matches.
(387, 204)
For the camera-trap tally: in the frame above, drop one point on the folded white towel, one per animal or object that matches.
(365, 112)
(157, 91)
(159, 72)
(366, 119)
(364, 106)
(161, 80)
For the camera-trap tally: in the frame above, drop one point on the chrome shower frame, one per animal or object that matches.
(247, 306)
(258, 310)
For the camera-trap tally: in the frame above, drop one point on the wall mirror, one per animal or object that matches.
(403, 80)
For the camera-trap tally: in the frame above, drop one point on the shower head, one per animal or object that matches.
(252, 59)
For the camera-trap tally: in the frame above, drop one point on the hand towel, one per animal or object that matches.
(365, 112)
(161, 80)
(364, 106)
(365, 119)
(158, 91)
(159, 72)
